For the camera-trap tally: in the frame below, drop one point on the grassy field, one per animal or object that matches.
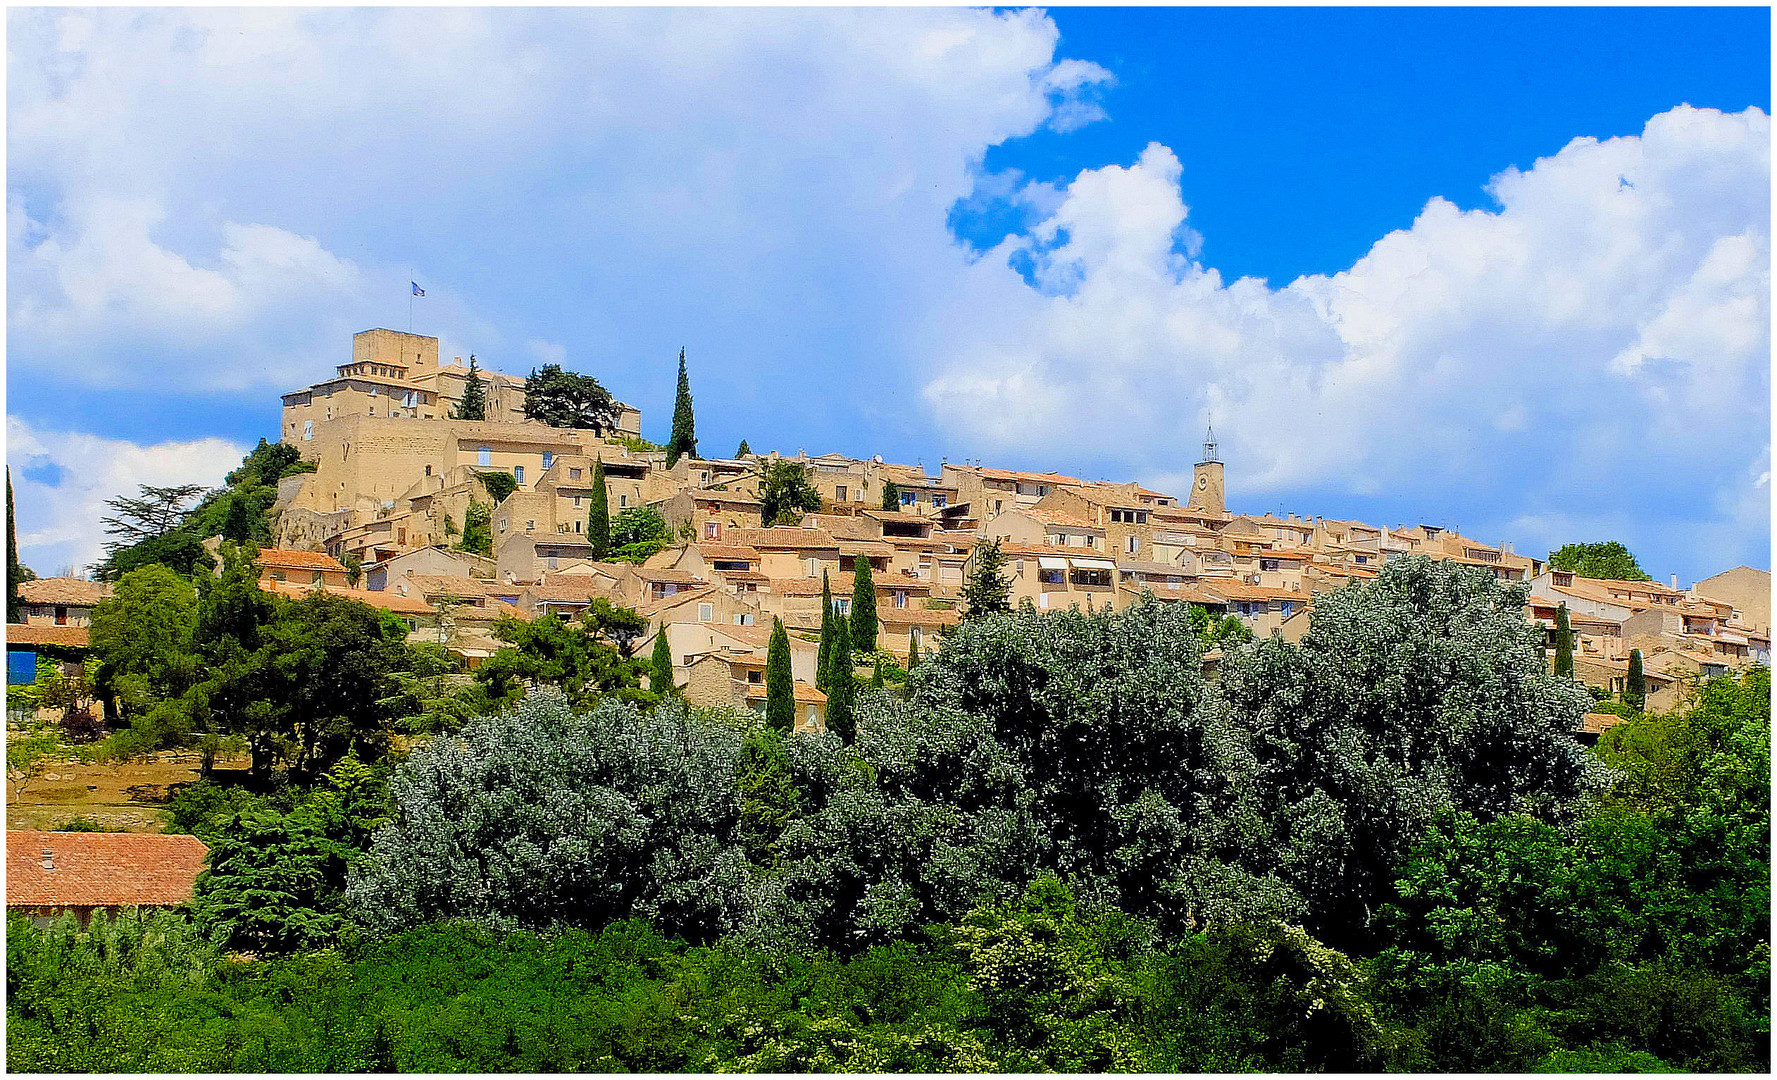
(127, 796)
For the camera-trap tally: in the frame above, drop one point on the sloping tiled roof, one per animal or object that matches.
(893, 616)
(101, 869)
(805, 694)
(445, 585)
(842, 583)
(783, 538)
(728, 552)
(388, 601)
(300, 560)
(675, 577)
(1594, 723)
(73, 637)
(76, 592)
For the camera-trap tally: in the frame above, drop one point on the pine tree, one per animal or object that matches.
(912, 650)
(684, 440)
(842, 687)
(15, 572)
(863, 606)
(891, 495)
(598, 514)
(826, 651)
(780, 685)
(1563, 644)
(987, 592)
(1635, 687)
(473, 406)
(661, 664)
(743, 450)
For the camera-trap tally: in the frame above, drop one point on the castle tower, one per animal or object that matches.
(1207, 492)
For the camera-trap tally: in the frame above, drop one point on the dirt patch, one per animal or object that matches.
(127, 796)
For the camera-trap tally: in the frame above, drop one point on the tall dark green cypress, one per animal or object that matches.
(876, 678)
(684, 440)
(1563, 643)
(891, 495)
(912, 649)
(1635, 686)
(473, 405)
(15, 571)
(826, 651)
(780, 685)
(842, 687)
(598, 517)
(863, 606)
(743, 449)
(661, 664)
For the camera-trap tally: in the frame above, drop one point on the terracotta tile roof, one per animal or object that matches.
(728, 552)
(1137, 566)
(870, 549)
(655, 607)
(388, 601)
(1009, 548)
(674, 577)
(446, 585)
(804, 693)
(1187, 593)
(755, 637)
(894, 616)
(71, 637)
(1066, 521)
(1028, 477)
(842, 583)
(726, 498)
(300, 560)
(101, 869)
(784, 538)
(741, 575)
(566, 591)
(1239, 590)
(73, 592)
(1595, 723)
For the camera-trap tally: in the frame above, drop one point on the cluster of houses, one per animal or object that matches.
(381, 516)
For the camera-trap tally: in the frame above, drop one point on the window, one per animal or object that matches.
(839, 493)
(622, 501)
(428, 470)
(551, 561)
(811, 716)
(484, 456)
(712, 530)
(308, 429)
(576, 502)
(842, 604)
(277, 575)
(502, 524)
(61, 615)
(518, 473)
(529, 526)
(1042, 489)
(1287, 607)
(939, 502)
(706, 613)
(900, 599)
(576, 524)
(907, 498)
(317, 578)
(548, 457)
(1050, 577)
(573, 474)
(1134, 544)
(1268, 564)
(755, 677)
(373, 390)
(1362, 559)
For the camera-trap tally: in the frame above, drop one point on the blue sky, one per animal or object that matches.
(1366, 242)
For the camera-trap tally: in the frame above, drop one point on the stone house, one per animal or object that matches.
(60, 601)
(50, 874)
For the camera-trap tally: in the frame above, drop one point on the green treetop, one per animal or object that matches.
(780, 685)
(912, 649)
(841, 686)
(598, 514)
(827, 620)
(566, 399)
(987, 592)
(743, 449)
(891, 495)
(684, 438)
(863, 606)
(1635, 686)
(1606, 559)
(785, 493)
(661, 662)
(474, 403)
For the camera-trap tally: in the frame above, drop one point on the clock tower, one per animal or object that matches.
(1206, 479)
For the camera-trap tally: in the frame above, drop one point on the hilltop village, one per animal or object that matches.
(396, 482)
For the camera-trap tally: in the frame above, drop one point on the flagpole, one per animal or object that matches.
(410, 279)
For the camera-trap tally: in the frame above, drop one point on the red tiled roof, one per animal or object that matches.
(804, 693)
(728, 552)
(842, 583)
(784, 538)
(675, 577)
(73, 637)
(74, 592)
(301, 560)
(101, 869)
(894, 616)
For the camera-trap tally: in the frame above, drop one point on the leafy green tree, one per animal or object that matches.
(863, 606)
(742, 450)
(842, 687)
(1635, 686)
(238, 525)
(876, 676)
(266, 464)
(142, 636)
(261, 890)
(1219, 633)
(478, 529)
(565, 399)
(598, 514)
(1607, 559)
(637, 533)
(568, 656)
(621, 627)
(987, 592)
(769, 800)
(1563, 644)
(660, 677)
(684, 438)
(891, 495)
(424, 702)
(499, 484)
(354, 569)
(780, 685)
(153, 528)
(785, 493)
(473, 405)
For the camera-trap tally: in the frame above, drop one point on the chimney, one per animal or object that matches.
(49, 860)
(1675, 581)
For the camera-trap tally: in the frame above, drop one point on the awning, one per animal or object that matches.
(1051, 562)
(1094, 564)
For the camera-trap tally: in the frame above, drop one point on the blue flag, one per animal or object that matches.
(417, 291)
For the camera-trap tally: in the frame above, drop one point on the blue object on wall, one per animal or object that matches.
(21, 667)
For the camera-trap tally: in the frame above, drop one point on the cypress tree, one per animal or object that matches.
(15, 571)
(598, 517)
(1563, 644)
(891, 495)
(1635, 687)
(684, 439)
(661, 664)
(780, 685)
(238, 525)
(826, 652)
(912, 650)
(876, 679)
(842, 687)
(743, 450)
(987, 592)
(473, 406)
(863, 606)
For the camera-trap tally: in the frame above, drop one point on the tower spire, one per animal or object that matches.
(1209, 444)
